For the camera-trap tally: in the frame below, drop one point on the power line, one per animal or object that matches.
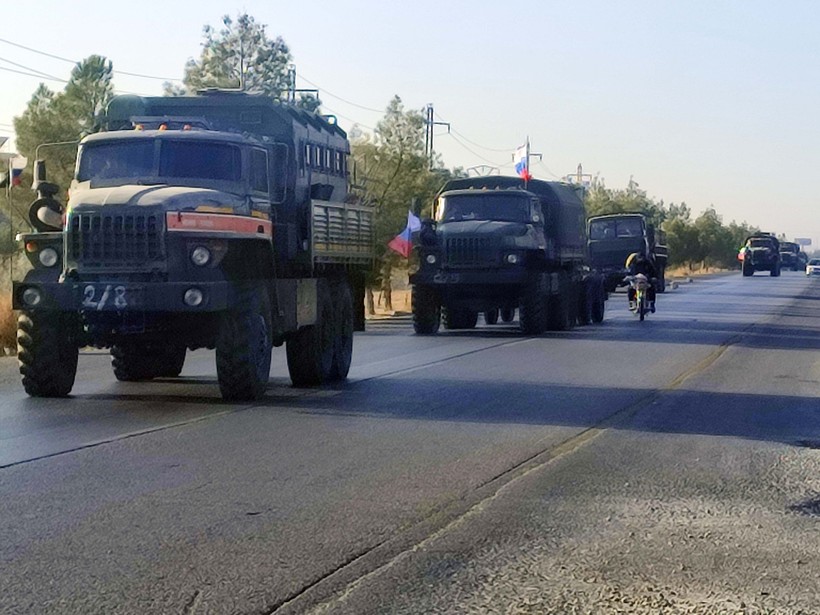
(19, 72)
(34, 70)
(70, 61)
(479, 156)
(332, 95)
(489, 149)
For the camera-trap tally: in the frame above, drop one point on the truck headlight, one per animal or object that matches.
(200, 256)
(512, 259)
(48, 257)
(431, 259)
(32, 296)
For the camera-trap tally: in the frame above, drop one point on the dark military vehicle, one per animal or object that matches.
(792, 257)
(613, 237)
(760, 252)
(220, 221)
(497, 244)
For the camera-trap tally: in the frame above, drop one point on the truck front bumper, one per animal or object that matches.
(514, 276)
(118, 296)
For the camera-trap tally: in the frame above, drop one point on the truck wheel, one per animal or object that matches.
(598, 301)
(426, 310)
(747, 270)
(459, 318)
(243, 345)
(585, 297)
(532, 315)
(661, 282)
(47, 353)
(171, 360)
(133, 362)
(491, 316)
(507, 314)
(343, 344)
(560, 312)
(775, 272)
(310, 350)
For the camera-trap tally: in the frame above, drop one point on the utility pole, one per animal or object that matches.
(430, 124)
(293, 90)
(579, 177)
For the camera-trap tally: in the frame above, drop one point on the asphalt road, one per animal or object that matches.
(667, 466)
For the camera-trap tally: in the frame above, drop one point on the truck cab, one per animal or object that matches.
(496, 245)
(760, 252)
(613, 237)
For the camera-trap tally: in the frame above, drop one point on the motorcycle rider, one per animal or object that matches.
(638, 263)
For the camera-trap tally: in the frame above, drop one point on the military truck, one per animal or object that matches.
(613, 237)
(760, 252)
(792, 257)
(222, 221)
(497, 244)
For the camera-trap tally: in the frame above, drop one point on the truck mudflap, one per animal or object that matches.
(120, 296)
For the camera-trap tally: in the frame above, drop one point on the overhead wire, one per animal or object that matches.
(70, 61)
(344, 100)
(20, 72)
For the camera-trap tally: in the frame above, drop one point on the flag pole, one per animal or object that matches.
(527, 164)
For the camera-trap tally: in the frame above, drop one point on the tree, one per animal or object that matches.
(59, 117)
(393, 174)
(241, 56)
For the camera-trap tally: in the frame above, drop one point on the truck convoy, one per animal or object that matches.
(792, 256)
(760, 252)
(613, 237)
(497, 244)
(221, 220)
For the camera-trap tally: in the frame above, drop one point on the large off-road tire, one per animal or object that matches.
(133, 361)
(426, 310)
(170, 361)
(775, 271)
(459, 318)
(561, 311)
(598, 303)
(661, 285)
(243, 345)
(343, 342)
(585, 300)
(532, 314)
(310, 350)
(47, 352)
(491, 316)
(507, 314)
(747, 270)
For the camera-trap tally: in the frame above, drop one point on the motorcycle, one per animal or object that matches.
(639, 284)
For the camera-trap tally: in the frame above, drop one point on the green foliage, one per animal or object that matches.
(241, 56)
(392, 172)
(58, 117)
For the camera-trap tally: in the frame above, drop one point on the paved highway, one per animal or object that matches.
(666, 466)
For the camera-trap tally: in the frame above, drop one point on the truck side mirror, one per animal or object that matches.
(39, 175)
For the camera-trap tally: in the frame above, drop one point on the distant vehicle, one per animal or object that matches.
(497, 245)
(813, 267)
(792, 256)
(760, 252)
(613, 237)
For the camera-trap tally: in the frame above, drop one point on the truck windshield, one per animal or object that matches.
(498, 207)
(760, 243)
(172, 159)
(612, 229)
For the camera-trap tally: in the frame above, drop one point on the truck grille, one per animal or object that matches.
(115, 240)
(471, 251)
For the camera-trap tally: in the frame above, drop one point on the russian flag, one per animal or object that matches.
(16, 166)
(522, 163)
(402, 243)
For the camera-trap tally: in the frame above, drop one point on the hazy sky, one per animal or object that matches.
(707, 102)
